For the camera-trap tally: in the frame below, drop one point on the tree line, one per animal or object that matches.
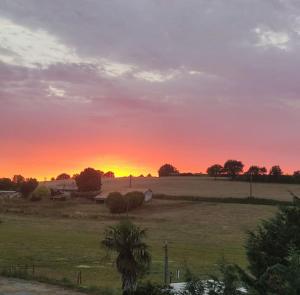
(234, 169)
(88, 180)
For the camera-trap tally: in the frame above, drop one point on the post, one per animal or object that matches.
(79, 281)
(166, 264)
(251, 180)
(130, 180)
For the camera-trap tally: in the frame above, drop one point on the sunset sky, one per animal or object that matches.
(129, 85)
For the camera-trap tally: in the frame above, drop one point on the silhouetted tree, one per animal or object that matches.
(215, 170)
(256, 170)
(63, 176)
(233, 168)
(75, 175)
(133, 258)
(28, 186)
(167, 170)
(89, 180)
(149, 175)
(18, 179)
(109, 174)
(296, 175)
(276, 171)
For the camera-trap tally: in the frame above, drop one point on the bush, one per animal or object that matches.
(89, 180)
(152, 289)
(41, 192)
(28, 187)
(117, 203)
(134, 199)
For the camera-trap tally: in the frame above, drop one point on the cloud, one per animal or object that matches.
(127, 71)
(268, 38)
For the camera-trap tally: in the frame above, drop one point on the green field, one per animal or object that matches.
(193, 186)
(61, 238)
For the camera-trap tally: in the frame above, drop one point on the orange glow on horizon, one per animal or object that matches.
(120, 168)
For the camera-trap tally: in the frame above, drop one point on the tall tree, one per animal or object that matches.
(233, 168)
(276, 171)
(133, 258)
(296, 175)
(215, 170)
(63, 176)
(89, 180)
(256, 170)
(167, 170)
(18, 179)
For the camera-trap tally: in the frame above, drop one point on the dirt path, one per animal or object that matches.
(9, 286)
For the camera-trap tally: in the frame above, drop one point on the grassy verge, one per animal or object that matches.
(21, 272)
(226, 200)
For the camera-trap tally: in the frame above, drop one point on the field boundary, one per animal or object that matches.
(227, 200)
(23, 272)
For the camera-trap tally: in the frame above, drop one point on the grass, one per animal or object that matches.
(61, 238)
(196, 186)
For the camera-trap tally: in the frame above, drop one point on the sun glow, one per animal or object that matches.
(122, 167)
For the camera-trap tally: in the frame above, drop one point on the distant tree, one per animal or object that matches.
(109, 174)
(233, 168)
(18, 179)
(256, 170)
(149, 175)
(167, 170)
(133, 258)
(101, 172)
(63, 176)
(6, 184)
(276, 171)
(52, 178)
(28, 186)
(89, 180)
(215, 170)
(296, 175)
(75, 175)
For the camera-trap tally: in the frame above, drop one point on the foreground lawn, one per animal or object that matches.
(62, 238)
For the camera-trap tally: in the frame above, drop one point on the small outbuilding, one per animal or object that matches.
(148, 195)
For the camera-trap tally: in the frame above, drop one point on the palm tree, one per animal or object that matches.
(133, 258)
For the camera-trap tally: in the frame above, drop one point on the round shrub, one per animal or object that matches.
(116, 203)
(41, 192)
(134, 199)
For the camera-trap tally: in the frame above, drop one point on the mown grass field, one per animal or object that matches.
(61, 238)
(195, 186)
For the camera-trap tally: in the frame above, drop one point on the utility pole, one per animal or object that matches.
(130, 180)
(251, 180)
(166, 265)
